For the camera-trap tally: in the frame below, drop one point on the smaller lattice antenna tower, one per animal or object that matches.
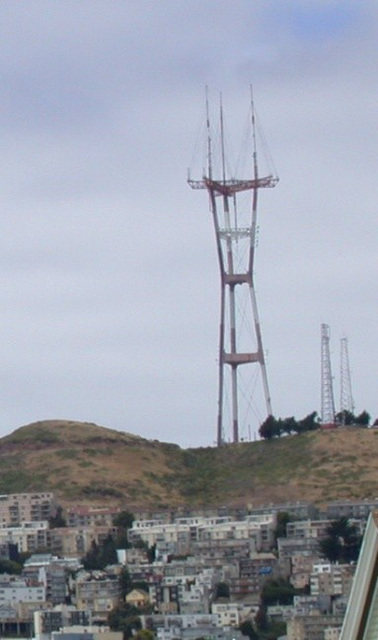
(346, 397)
(327, 399)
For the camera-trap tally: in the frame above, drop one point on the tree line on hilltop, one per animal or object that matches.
(276, 427)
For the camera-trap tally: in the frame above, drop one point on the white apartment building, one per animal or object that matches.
(315, 529)
(228, 614)
(185, 531)
(93, 632)
(14, 590)
(28, 536)
(232, 614)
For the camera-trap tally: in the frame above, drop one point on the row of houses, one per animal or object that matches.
(194, 552)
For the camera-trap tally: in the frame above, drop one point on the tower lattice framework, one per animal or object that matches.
(327, 397)
(346, 397)
(233, 206)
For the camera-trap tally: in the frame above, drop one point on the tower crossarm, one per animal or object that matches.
(232, 186)
(233, 279)
(235, 359)
(244, 232)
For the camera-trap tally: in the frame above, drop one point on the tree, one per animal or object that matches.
(282, 519)
(91, 559)
(11, 567)
(125, 618)
(273, 428)
(141, 584)
(331, 548)
(108, 551)
(363, 419)
(277, 591)
(151, 553)
(58, 520)
(269, 428)
(222, 590)
(309, 422)
(125, 582)
(123, 520)
(289, 425)
(345, 417)
(144, 634)
(261, 619)
(342, 542)
(100, 556)
(247, 629)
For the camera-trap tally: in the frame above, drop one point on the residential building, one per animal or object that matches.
(80, 632)
(350, 509)
(301, 566)
(179, 537)
(90, 516)
(97, 591)
(49, 620)
(311, 627)
(332, 633)
(181, 627)
(15, 589)
(29, 536)
(51, 573)
(298, 510)
(76, 541)
(253, 572)
(16, 508)
(132, 556)
(231, 614)
(315, 529)
(332, 580)
(138, 598)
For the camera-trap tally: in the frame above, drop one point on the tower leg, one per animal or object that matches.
(260, 351)
(220, 434)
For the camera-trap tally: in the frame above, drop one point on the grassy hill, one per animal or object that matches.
(83, 462)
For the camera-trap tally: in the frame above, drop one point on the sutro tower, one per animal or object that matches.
(233, 205)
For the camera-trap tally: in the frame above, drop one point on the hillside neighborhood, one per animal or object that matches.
(95, 572)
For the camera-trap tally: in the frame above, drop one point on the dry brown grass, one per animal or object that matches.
(83, 462)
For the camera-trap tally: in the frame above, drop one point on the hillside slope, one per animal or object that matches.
(83, 462)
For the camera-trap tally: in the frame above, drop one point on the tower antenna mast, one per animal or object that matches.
(346, 397)
(327, 398)
(235, 242)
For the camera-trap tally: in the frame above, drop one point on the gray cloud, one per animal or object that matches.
(108, 266)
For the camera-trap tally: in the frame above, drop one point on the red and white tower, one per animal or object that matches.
(233, 206)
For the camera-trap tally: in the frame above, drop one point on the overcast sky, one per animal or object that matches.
(108, 269)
